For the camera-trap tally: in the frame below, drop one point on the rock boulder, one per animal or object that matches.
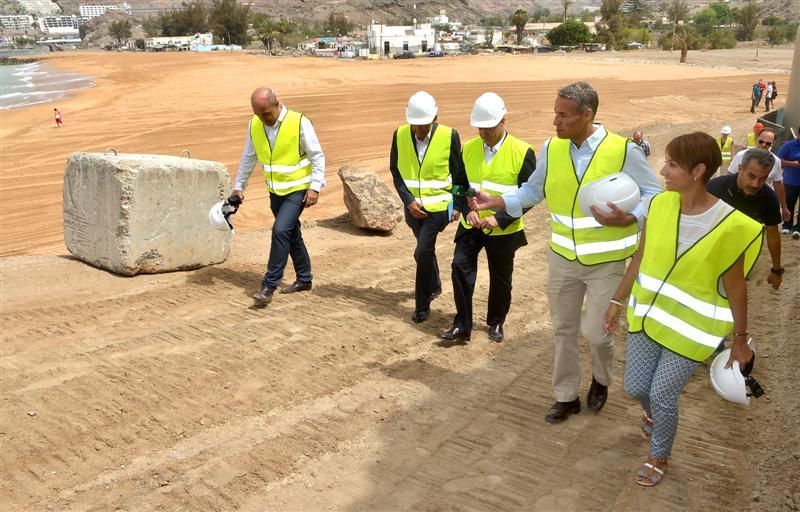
(371, 203)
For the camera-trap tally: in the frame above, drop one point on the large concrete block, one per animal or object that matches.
(134, 214)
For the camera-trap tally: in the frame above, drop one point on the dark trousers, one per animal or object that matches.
(792, 196)
(500, 252)
(287, 240)
(754, 104)
(427, 279)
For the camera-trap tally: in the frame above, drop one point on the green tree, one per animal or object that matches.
(228, 20)
(191, 18)
(723, 12)
(676, 10)
(721, 38)
(519, 19)
(272, 32)
(636, 10)
(775, 35)
(611, 13)
(120, 30)
(338, 25)
(747, 17)
(152, 26)
(443, 27)
(569, 33)
(566, 4)
(687, 38)
(139, 44)
(705, 21)
(540, 13)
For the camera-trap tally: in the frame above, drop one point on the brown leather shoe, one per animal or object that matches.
(562, 410)
(496, 333)
(263, 296)
(596, 398)
(297, 286)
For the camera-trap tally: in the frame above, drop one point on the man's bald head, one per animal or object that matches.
(265, 105)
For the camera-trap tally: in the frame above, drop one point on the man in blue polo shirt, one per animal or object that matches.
(747, 192)
(790, 159)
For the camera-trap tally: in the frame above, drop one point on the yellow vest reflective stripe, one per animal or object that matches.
(286, 170)
(574, 234)
(751, 140)
(429, 182)
(725, 149)
(676, 301)
(500, 176)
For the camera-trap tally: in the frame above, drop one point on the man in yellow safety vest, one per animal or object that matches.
(725, 143)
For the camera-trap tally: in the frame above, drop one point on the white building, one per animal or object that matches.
(39, 7)
(61, 25)
(92, 11)
(20, 22)
(390, 39)
(187, 42)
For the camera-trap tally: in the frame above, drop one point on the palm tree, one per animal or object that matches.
(566, 5)
(519, 19)
(686, 37)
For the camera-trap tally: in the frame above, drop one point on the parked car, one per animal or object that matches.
(405, 54)
(436, 53)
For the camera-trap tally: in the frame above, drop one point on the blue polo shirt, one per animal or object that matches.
(791, 151)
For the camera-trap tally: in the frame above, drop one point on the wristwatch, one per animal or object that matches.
(778, 271)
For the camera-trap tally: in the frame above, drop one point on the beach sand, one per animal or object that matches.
(165, 392)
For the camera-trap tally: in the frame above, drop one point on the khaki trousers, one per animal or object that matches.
(568, 284)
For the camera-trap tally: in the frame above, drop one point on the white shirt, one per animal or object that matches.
(422, 145)
(532, 191)
(774, 175)
(489, 152)
(308, 143)
(692, 228)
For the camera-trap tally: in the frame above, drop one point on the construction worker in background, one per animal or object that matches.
(285, 142)
(753, 136)
(725, 143)
(424, 156)
(587, 254)
(495, 162)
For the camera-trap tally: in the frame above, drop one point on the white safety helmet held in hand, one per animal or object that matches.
(730, 383)
(218, 216)
(726, 130)
(421, 109)
(488, 111)
(618, 188)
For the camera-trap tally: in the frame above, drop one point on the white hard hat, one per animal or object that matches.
(488, 111)
(726, 130)
(729, 383)
(218, 216)
(421, 109)
(618, 188)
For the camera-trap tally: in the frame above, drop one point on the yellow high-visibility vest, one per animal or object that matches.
(574, 235)
(286, 168)
(676, 300)
(429, 182)
(751, 140)
(725, 149)
(500, 176)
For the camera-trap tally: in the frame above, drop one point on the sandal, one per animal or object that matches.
(646, 424)
(655, 476)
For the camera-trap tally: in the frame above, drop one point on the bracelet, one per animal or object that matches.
(745, 333)
(777, 271)
(615, 301)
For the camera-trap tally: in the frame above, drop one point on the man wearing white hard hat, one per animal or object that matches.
(424, 156)
(495, 162)
(587, 252)
(725, 143)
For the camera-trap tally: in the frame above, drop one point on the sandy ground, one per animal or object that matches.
(166, 392)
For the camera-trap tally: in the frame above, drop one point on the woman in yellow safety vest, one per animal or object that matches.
(687, 291)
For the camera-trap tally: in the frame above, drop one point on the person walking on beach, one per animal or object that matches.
(59, 121)
(424, 157)
(495, 162)
(677, 315)
(587, 253)
(285, 142)
(747, 192)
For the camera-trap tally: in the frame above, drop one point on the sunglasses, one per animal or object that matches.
(765, 143)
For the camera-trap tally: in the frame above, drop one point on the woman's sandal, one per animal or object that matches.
(646, 424)
(655, 476)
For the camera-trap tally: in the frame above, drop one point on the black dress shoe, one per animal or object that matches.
(297, 286)
(435, 294)
(597, 396)
(496, 332)
(263, 296)
(561, 411)
(420, 316)
(455, 335)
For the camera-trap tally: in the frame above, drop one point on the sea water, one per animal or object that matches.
(28, 84)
